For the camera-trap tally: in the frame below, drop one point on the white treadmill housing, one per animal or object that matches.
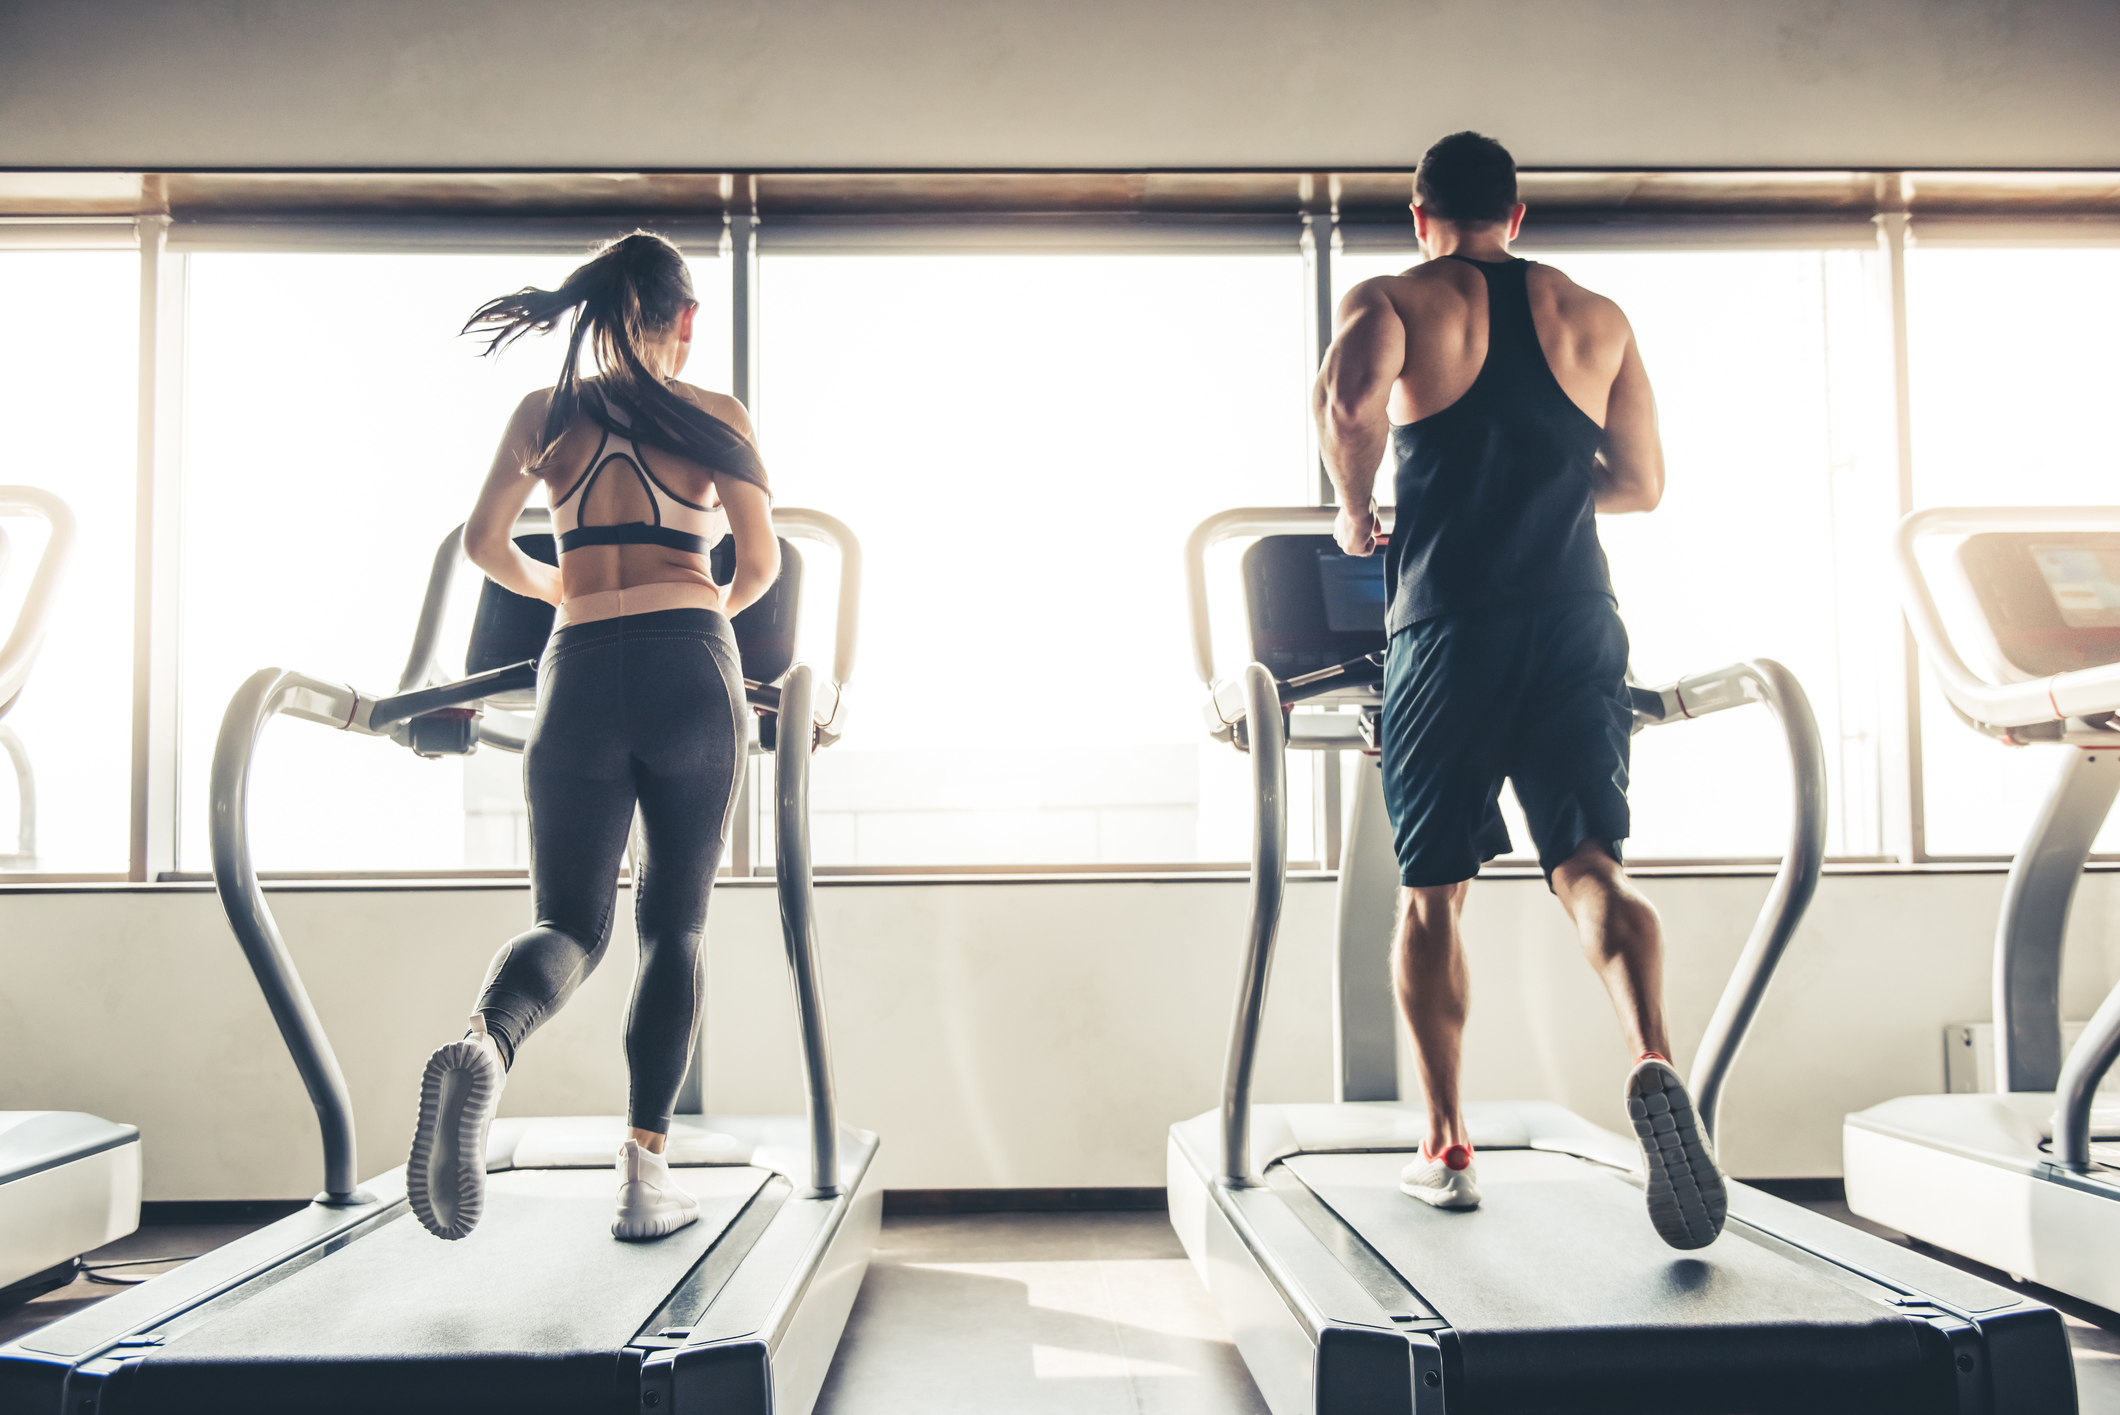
(2015, 1179)
(69, 1182)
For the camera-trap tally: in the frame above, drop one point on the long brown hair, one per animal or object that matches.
(633, 289)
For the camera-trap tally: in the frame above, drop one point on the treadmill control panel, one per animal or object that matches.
(1311, 605)
(2051, 599)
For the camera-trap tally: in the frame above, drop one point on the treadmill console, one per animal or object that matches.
(1311, 605)
(511, 628)
(2050, 599)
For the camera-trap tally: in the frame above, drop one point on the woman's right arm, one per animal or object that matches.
(750, 516)
(489, 533)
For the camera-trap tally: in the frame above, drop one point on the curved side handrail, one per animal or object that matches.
(1269, 876)
(25, 851)
(799, 523)
(2050, 699)
(2088, 1061)
(1763, 680)
(19, 654)
(1229, 525)
(798, 923)
(267, 692)
(423, 663)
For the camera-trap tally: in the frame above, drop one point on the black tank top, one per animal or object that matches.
(1495, 492)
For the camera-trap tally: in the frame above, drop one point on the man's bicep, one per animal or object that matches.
(1368, 347)
(1630, 417)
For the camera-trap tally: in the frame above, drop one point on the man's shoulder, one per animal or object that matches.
(1423, 287)
(1577, 303)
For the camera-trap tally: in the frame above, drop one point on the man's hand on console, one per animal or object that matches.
(1356, 531)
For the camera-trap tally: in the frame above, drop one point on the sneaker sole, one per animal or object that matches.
(457, 1096)
(1454, 1204)
(632, 1228)
(1687, 1201)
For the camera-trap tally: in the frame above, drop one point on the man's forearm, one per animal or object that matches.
(1352, 456)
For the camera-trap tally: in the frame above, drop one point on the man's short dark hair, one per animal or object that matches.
(1467, 178)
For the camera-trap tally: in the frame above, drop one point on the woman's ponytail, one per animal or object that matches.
(634, 289)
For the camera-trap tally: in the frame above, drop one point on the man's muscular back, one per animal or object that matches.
(1425, 333)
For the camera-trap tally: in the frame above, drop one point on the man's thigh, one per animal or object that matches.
(1448, 688)
(1569, 756)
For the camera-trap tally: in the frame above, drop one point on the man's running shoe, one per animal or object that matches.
(1445, 1180)
(1687, 1202)
(445, 1179)
(649, 1202)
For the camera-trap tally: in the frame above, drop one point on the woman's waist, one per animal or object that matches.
(618, 601)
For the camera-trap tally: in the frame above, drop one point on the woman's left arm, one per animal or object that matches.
(489, 538)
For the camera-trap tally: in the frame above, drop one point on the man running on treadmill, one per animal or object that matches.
(1514, 406)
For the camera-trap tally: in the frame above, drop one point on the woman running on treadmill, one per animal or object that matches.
(640, 702)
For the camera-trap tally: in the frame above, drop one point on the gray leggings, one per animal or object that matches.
(645, 709)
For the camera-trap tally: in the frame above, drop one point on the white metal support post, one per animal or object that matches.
(1321, 244)
(739, 253)
(157, 513)
(1908, 838)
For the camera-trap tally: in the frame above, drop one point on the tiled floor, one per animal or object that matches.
(171, 1241)
(1041, 1314)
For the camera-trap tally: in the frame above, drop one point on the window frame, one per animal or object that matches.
(1317, 231)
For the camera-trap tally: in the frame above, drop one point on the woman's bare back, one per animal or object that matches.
(614, 500)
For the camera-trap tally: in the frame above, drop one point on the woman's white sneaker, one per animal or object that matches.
(1446, 1180)
(445, 1179)
(649, 1202)
(1687, 1200)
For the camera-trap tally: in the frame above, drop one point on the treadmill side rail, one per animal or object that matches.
(785, 1307)
(1314, 1340)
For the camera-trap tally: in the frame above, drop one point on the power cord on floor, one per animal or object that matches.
(94, 1271)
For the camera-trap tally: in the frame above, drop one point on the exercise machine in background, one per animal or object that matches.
(1344, 1295)
(69, 1182)
(349, 1305)
(2019, 1178)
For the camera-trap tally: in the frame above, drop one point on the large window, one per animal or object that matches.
(1022, 439)
(336, 429)
(69, 400)
(2014, 372)
(1773, 394)
(1022, 444)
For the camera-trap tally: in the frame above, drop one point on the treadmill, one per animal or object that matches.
(349, 1305)
(69, 1182)
(2026, 1178)
(1345, 1295)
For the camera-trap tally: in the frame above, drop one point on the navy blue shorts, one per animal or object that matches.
(1533, 692)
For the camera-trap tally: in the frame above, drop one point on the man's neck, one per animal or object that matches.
(1483, 244)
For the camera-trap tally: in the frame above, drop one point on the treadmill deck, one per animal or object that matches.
(438, 1311)
(1557, 1285)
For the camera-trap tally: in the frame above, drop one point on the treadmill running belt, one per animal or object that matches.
(1563, 1298)
(527, 1314)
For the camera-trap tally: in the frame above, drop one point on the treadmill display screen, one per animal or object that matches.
(1354, 592)
(2085, 583)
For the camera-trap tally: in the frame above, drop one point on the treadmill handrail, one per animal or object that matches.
(1763, 680)
(19, 654)
(265, 694)
(2054, 698)
(423, 665)
(1229, 525)
(1269, 876)
(798, 923)
(1754, 680)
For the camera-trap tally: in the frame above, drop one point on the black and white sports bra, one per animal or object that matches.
(679, 525)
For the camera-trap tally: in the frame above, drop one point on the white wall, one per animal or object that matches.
(996, 1034)
(1030, 83)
